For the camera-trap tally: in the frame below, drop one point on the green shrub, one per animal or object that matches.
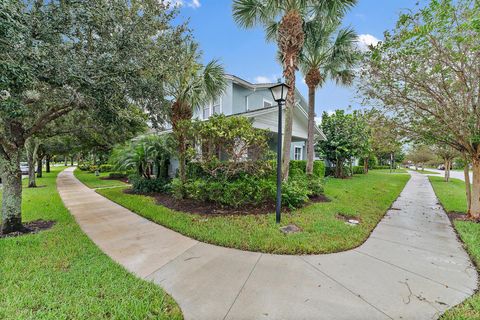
(143, 185)
(295, 193)
(315, 186)
(105, 168)
(358, 170)
(248, 190)
(117, 175)
(84, 167)
(330, 171)
(319, 168)
(92, 168)
(300, 166)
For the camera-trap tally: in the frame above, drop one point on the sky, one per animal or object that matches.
(246, 54)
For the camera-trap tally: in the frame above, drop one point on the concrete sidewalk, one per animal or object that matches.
(412, 266)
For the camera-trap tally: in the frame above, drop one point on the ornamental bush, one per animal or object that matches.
(105, 168)
(144, 185)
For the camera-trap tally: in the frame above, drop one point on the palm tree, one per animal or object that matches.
(286, 22)
(194, 86)
(142, 155)
(328, 53)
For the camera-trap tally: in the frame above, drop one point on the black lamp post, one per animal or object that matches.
(279, 93)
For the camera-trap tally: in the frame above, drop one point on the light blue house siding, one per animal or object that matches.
(255, 101)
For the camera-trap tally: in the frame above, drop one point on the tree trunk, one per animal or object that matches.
(287, 137)
(71, 161)
(445, 163)
(365, 165)
(391, 162)
(31, 147)
(475, 193)
(290, 39)
(47, 164)
(12, 193)
(311, 130)
(39, 167)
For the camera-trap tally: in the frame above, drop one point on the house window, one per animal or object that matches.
(212, 108)
(267, 104)
(206, 112)
(217, 106)
(298, 154)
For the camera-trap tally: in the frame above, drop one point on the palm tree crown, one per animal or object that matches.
(287, 21)
(329, 52)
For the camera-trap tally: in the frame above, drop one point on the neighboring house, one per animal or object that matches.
(242, 98)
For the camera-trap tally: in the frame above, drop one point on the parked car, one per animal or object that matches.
(24, 168)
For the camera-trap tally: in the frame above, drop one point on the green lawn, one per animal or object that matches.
(364, 196)
(451, 194)
(61, 274)
(453, 198)
(92, 181)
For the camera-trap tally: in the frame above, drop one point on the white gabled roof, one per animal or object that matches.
(272, 124)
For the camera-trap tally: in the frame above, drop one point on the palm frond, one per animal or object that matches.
(249, 13)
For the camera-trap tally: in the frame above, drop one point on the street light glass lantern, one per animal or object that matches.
(279, 92)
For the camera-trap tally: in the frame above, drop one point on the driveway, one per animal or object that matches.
(411, 267)
(453, 174)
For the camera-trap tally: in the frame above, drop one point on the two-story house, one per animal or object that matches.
(254, 101)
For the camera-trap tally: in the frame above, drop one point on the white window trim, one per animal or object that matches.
(295, 152)
(210, 108)
(268, 101)
(220, 101)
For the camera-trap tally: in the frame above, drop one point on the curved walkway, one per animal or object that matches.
(412, 266)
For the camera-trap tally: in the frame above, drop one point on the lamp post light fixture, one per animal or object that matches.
(279, 93)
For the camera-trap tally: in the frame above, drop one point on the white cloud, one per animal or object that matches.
(262, 79)
(364, 41)
(179, 3)
(194, 4)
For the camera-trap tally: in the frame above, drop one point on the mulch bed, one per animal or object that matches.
(30, 228)
(118, 179)
(210, 208)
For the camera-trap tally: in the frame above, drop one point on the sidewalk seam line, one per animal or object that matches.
(410, 246)
(170, 261)
(343, 286)
(243, 286)
(412, 272)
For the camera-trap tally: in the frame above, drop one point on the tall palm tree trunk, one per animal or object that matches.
(290, 42)
(312, 79)
(181, 115)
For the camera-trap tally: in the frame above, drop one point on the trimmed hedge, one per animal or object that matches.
(301, 166)
(358, 170)
(117, 175)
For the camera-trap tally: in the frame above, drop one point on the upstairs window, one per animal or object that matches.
(206, 112)
(217, 106)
